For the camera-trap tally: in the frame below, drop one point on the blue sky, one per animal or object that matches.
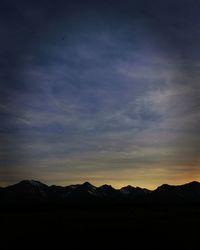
(103, 92)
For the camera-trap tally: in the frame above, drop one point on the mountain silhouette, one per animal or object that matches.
(187, 193)
(31, 191)
(134, 191)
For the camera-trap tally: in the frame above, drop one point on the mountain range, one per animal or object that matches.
(34, 192)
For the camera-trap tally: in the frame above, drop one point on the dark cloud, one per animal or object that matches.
(91, 87)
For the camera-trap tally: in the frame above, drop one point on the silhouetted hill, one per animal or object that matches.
(25, 191)
(134, 191)
(187, 193)
(30, 191)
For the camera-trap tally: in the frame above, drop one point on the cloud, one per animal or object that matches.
(84, 100)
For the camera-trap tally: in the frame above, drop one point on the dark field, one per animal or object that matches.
(139, 227)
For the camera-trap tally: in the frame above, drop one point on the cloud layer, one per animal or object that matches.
(100, 97)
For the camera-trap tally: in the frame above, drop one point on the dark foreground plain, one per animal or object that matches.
(101, 227)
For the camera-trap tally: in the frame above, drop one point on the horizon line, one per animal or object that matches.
(49, 185)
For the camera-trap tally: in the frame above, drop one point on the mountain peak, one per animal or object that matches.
(32, 183)
(166, 187)
(128, 187)
(163, 187)
(87, 184)
(194, 183)
(106, 186)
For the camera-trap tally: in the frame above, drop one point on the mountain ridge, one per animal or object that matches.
(33, 191)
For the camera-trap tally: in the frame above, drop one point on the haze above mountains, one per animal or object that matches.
(35, 192)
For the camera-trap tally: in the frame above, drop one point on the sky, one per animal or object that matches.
(100, 91)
